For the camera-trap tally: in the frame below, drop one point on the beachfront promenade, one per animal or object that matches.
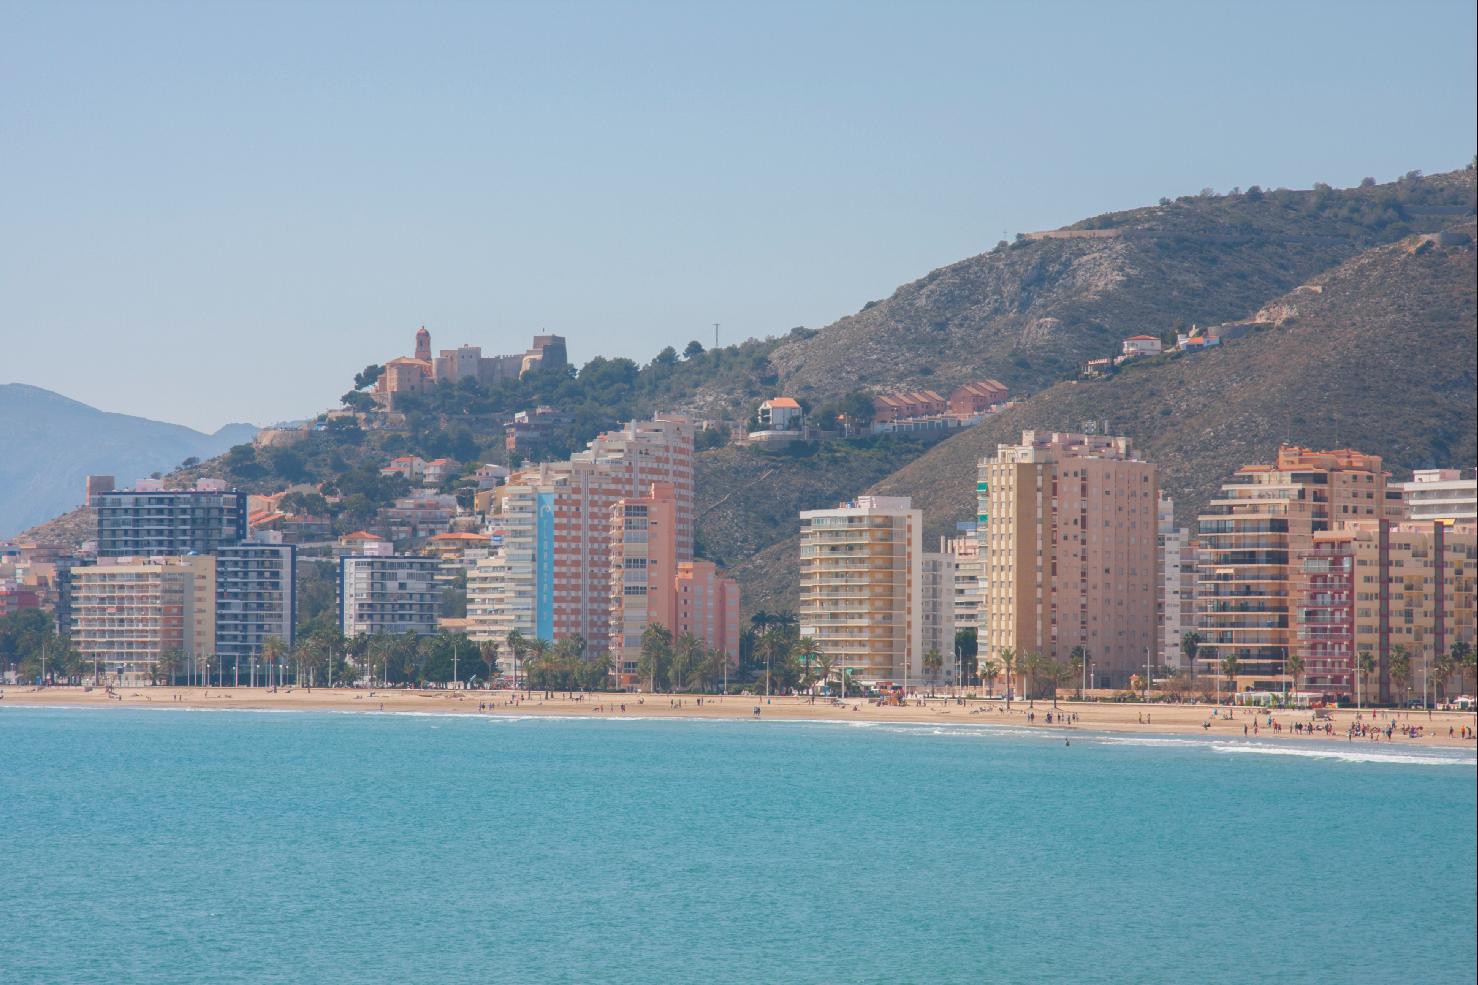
(1158, 718)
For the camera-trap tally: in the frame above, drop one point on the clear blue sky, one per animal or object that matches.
(216, 212)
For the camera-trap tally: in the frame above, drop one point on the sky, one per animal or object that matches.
(220, 212)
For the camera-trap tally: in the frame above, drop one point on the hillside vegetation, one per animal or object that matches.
(1031, 312)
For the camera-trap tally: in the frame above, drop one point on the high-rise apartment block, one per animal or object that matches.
(862, 586)
(1370, 586)
(127, 614)
(255, 599)
(1067, 528)
(1175, 596)
(964, 551)
(158, 522)
(937, 607)
(551, 577)
(1252, 536)
(388, 595)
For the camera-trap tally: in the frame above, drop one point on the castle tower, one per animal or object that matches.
(423, 344)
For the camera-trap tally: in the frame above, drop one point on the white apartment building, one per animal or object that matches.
(1439, 494)
(1175, 596)
(388, 595)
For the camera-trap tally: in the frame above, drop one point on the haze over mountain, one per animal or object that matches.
(49, 444)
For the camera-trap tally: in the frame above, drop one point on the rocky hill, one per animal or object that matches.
(1030, 312)
(1378, 353)
(49, 444)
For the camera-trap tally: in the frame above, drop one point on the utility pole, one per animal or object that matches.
(1146, 675)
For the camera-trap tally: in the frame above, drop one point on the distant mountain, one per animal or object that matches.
(49, 444)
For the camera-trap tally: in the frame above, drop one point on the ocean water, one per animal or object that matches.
(216, 847)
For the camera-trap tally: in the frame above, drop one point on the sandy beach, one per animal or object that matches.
(1156, 719)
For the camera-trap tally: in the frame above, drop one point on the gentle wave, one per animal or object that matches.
(1348, 756)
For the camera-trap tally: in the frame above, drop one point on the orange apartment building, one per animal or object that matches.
(1370, 586)
(1252, 537)
(1068, 526)
(650, 586)
(551, 575)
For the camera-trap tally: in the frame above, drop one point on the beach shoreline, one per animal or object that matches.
(1206, 721)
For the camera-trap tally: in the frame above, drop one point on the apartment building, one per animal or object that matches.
(1175, 595)
(964, 551)
(708, 607)
(551, 577)
(937, 609)
(1371, 586)
(256, 600)
(1439, 494)
(128, 613)
(1251, 538)
(380, 595)
(157, 522)
(1067, 527)
(862, 587)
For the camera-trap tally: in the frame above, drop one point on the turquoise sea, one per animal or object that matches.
(214, 847)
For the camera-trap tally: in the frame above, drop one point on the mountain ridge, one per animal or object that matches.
(49, 444)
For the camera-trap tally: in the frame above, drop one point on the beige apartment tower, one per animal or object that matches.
(862, 587)
(1067, 528)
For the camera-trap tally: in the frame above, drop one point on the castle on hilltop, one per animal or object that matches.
(414, 374)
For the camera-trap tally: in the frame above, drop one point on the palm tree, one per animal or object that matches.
(1076, 662)
(1399, 665)
(1463, 658)
(825, 664)
(1294, 667)
(517, 643)
(810, 653)
(1442, 667)
(656, 655)
(1190, 645)
(685, 655)
(1364, 667)
(166, 666)
(1031, 668)
(272, 650)
(989, 670)
(933, 663)
(488, 651)
(1008, 663)
(1229, 669)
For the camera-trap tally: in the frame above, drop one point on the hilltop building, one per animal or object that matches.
(1067, 527)
(417, 373)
